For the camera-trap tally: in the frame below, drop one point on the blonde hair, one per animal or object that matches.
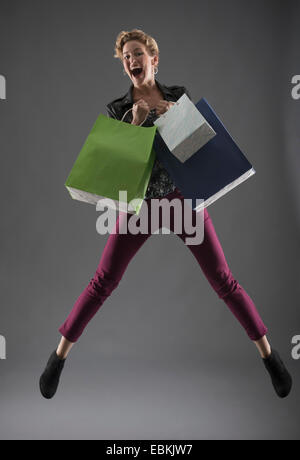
(135, 34)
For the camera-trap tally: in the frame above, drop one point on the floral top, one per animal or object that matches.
(160, 183)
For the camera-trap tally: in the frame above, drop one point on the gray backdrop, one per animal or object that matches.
(164, 358)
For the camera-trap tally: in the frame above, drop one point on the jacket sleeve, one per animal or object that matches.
(110, 111)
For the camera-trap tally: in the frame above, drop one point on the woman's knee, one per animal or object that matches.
(224, 282)
(102, 284)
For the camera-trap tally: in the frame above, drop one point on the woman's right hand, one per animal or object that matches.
(140, 110)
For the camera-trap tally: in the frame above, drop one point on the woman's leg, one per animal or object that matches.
(263, 347)
(63, 348)
(210, 256)
(118, 251)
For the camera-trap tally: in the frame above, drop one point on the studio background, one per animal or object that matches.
(163, 358)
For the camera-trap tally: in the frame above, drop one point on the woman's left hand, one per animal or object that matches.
(163, 106)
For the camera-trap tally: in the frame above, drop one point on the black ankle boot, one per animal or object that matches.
(50, 377)
(281, 379)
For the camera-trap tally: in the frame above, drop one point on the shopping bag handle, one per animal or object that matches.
(129, 111)
(175, 102)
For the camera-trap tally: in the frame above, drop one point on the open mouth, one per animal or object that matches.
(137, 71)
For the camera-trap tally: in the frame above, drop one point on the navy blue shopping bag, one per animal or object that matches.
(211, 172)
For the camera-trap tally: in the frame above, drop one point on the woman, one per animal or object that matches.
(149, 99)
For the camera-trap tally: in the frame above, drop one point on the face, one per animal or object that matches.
(135, 54)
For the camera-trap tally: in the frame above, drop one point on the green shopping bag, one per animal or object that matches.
(115, 156)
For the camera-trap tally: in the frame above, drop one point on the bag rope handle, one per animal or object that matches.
(176, 102)
(129, 111)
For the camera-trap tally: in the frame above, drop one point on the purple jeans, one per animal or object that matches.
(120, 249)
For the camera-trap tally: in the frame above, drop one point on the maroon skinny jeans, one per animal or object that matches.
(121, 248)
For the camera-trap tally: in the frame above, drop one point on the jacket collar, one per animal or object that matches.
(128, 98)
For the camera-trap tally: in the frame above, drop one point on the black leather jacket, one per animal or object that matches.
(118, 107)
(160, 183)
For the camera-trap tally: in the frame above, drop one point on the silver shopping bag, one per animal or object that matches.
(184, 129)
